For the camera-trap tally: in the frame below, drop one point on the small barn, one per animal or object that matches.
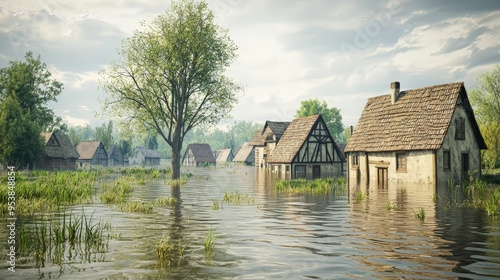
(225, 155)
(58, 153)
(91, 153)
(115, 157)
(426, 135)
(198, 155)
(144, 156)
(245, 155)
(306, 150)
(265, 140)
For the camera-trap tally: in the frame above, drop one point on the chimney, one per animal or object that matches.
(394, 91)
(351, 128)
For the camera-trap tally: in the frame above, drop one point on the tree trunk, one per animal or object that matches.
(176, 162)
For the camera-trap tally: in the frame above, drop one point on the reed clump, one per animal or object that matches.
(324, 186)
(166, 201)
(137, 206)
(168, 253)
(117, 191)
(235, 198)
(481, 195)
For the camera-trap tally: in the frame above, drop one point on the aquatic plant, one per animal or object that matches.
(215, 204)
(167, 253)
(420, 214)
(166, 201)
(389, 205)
(137, 206)
(322, 186)
(359, 195)
(68, 238)
(209, 242)
(236, 198)
(117, 191)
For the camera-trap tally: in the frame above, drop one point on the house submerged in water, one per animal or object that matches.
(306, 150)
(425, 135)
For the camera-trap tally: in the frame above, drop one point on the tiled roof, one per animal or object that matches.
(225, 155)
(257, 139)
(244, 154)
(293, 138)
(278, 128)
(65, 148)
(201, 153)
(147, 152)
(87, 149)
(418, 120)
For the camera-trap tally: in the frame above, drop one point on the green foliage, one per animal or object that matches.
(166, 201)
(168, 253)
(20, 136)
(209, 242)
(104, 133)
(116, 192)
(331, 116)
(236, 198)
(486, 103)
(30, 83)
(78, 134)
(420, 214)
(359, 195)
(171, 75)
(324, 186)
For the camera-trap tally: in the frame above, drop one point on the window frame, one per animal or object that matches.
(459, 128)
(401, 166)
(446, 157)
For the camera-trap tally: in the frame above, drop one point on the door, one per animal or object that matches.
(382, 177)
(316, 171)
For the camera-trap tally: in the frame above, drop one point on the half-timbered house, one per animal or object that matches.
(427, 135)
(306, 150)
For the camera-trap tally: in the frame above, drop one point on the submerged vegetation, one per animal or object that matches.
(481, 195)
(68, 238)
(235, 198)
(323, 186)
(169, 253)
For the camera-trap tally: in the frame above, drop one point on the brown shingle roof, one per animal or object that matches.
(201, 153)
(87, 149)
(257, 139)
(278, 128)
(293, 138)
(64, 149)
(225, 155)
(147, 152)
(418, 120)
(245, 154)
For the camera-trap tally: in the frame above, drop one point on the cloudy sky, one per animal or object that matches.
(339, 51)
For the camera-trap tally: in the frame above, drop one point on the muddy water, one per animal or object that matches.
(294, 237)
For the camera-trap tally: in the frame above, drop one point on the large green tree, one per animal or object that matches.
(331, 116)
(30, 83)
(486, 102)
(20, 142)
(171, 75)
(25, 89)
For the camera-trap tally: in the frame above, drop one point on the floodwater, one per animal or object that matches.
(290, 236)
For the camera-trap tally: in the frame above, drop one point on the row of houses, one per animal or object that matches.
(60, 154)
(201, 154)
(425, 135)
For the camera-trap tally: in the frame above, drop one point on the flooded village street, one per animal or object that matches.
(278, 235)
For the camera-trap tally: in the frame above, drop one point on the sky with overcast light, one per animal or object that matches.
(342, 52)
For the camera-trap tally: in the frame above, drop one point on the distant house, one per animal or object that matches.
(143, 156)
(306, 150)
(115, 157)
(224, 156)
(197, 155)
(245, 155)
(424, 135)
(58, 153)
(265, 140)
(91, 153)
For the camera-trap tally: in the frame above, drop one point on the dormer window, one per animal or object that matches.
(459, 128)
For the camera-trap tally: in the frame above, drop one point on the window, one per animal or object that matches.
(300, 171)
(459, 129)
(401, 162)
(446, 161)
(354, 160)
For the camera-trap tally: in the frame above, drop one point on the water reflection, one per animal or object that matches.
(291, 236)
